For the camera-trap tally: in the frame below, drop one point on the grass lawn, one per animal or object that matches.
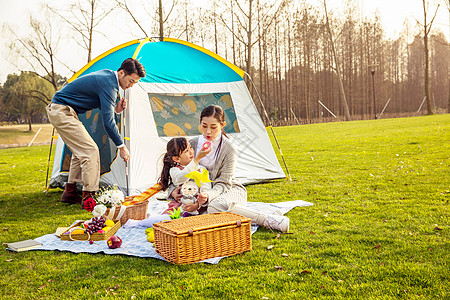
(19, 134)
(379, 227)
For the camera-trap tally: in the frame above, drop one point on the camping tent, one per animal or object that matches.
(182, 79)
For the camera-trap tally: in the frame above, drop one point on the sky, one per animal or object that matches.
(16, 14)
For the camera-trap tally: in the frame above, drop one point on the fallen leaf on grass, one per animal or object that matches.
(278, 236)
(305, 272)
(437, 228)
(324, 272)
(9, 260)
(312, 232)
(42, 286)
(285, 254)
(278, 268)
(270, 247)
(265, 298)
(377, 246)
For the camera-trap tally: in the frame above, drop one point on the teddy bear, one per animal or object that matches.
(189, 190)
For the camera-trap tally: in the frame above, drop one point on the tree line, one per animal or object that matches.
(304, 63)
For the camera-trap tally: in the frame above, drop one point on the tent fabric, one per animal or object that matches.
(181, 80)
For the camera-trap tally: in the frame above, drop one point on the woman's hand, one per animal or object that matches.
(190, 207)
(176, 194)
(202, 198)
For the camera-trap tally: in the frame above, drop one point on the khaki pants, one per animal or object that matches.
(85, 163)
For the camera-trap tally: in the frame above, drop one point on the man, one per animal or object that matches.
(96, 90)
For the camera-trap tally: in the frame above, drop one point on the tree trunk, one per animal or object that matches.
(427, 28)
(29, 121)
(161, 20)
(249, 39)
(336, 62)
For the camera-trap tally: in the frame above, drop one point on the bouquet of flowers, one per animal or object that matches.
(110, 196)
(106, 198)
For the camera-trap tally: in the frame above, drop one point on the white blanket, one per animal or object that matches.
(134, 240)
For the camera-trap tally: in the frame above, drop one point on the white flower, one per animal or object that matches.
(111, 197)
(99, 210)
(117, 197)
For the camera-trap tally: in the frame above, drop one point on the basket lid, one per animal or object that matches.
(202, 222)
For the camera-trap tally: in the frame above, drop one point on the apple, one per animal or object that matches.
(114, 242)
(206, 145)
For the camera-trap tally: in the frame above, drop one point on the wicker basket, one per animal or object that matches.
(137, 211)
(193, 239)
(86, 237)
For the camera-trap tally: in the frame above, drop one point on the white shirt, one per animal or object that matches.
(209, 160)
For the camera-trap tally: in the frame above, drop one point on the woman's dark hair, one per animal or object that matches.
(217, 113)
(174, 148)
(130, 66)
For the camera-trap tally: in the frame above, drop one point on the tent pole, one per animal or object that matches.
(48, 162)
(125, 138)
(271, 128)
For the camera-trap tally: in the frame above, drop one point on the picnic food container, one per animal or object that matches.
(193, 239)
(67, 236)
(135, 210)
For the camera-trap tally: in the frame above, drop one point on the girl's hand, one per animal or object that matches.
(202, 153)
(202, 198)
(176, 194)
(190, 207)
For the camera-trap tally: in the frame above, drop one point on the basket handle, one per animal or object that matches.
(72, 239)
(112, 211)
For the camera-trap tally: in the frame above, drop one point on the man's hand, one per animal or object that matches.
(124, 153)
(176, 194)
(121, 105)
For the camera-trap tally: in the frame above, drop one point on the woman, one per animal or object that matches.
(226, 194)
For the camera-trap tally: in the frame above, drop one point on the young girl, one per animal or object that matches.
(226, 193)
(178, 161)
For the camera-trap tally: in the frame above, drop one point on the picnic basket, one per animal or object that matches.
(136, 211)
(193, 239)
(134, 207)
(67, 236)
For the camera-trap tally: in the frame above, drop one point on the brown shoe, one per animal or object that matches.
(86, 195)
(70, 194)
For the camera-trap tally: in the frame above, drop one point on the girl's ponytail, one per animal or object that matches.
(174, 148)
(164, 178)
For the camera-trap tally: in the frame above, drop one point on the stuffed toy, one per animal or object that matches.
(189, 190)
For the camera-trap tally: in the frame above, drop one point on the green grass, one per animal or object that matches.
(379, 189)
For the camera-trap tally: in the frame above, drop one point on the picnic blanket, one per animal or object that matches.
(134, 240)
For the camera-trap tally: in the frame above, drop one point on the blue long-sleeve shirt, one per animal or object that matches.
(95, 90)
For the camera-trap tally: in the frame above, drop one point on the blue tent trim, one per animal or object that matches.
(168, 61)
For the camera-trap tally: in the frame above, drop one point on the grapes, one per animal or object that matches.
(96, 224)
